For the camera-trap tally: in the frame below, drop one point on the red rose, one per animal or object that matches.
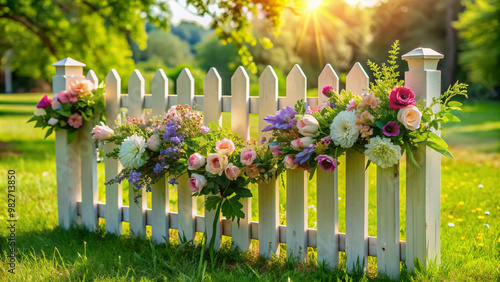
(401, 97)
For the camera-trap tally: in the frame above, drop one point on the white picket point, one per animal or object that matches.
(212, 94)
(88, 159)
(114, 197)
(356, 214)
(423, 183)
(268, 192)
(186, 203)
(67, 155)
(92, 77)
(327, 190)
(159, 190)
(185, 88)
(388, 254)
(137, 209)
(296, 190)
(240, 123)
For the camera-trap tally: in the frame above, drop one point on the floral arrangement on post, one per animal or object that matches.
(70, 108)
(148, 150)
(383, 122)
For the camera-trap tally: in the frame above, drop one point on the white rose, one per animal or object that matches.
(53, 121)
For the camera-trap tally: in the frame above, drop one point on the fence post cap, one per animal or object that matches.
(68, 62)
(422, 59)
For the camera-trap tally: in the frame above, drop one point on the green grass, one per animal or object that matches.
(469, 251)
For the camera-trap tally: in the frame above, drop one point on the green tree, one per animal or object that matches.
(168, 48)
(479, 30)
(94, 32)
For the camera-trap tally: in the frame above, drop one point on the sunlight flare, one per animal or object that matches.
(313, 4)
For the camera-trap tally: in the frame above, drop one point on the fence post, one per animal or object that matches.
(67, 155)
(423, 184)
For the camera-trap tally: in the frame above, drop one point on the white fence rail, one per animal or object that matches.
(77, 173)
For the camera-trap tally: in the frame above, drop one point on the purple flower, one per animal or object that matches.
(303, 156)
(158, 168)
(284, 119)
(326, 140)
(170, 130)
(173, 181)
(391, 129)
(205, 129)
(326, 162)
(176, 139)
(44, 103)
(134, 177)
(328, 91)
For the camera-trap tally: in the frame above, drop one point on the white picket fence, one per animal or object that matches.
(77, 173)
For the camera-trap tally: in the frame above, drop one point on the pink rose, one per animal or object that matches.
(66, 97)
(224, 147)
(308, 126)
(401, 97)
(81, 87)
(303, 142)
(410, 117)
(196, 161)
(252, 171)
(153, 143)
(248, 155)
(326, 162)
(232, 171)
(101, 132)
(205, 129)
(289, 162)
(75, 120)
(44, 103)
(216, 163)
(196, 182)
(352, 105)
(275, 150)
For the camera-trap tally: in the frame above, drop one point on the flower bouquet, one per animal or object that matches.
(381, 123)
(70, 108)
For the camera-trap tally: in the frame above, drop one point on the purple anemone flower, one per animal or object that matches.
(391, 129)
(303, 156)
(284, 119)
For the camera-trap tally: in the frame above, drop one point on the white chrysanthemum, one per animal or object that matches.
(343, 129)
(382, 152)
(132, 152)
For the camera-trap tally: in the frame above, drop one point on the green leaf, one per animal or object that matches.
(454, 104)
(379, 124)
(409, 153)
(71, 136)
(439, 149)
(212, 202)
(49, 131)
(244, 193)
(368, 164)
(434, 138)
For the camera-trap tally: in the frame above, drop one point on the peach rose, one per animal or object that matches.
(232, 171)
(81, 87)
(410, 117)
(248, 155)
(352, 105)
(252, 171)
(216, 163)
(225, 147)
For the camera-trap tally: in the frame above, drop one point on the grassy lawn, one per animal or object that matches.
(470, 202)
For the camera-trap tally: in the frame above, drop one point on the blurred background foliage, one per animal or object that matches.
(252, 33)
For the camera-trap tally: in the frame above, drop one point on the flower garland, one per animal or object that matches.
(70, 108)
(382, 122)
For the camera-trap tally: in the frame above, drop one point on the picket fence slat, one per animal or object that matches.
(137, 206)
(186, 203)
(388, 255)
(114, 197)
(212, 92)
(327, 190)
(356, 214)
(296, 191)
(88, 156)
(240, 123)
(92, 77)
(159, 190)
(268, 193)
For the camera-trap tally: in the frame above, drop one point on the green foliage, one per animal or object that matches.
(479, 29)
